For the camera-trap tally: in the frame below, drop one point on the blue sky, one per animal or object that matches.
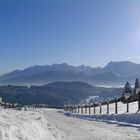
(90, 32)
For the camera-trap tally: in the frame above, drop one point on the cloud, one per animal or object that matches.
(134, 57)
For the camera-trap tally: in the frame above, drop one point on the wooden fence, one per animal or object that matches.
(16, 106)
(7, 105)
(116, 106)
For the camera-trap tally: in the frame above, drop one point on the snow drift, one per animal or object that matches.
(24, 125)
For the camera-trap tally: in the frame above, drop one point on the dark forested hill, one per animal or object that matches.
(57, 93)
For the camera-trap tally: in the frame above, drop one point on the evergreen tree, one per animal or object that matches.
(137, 85)
(127, 90)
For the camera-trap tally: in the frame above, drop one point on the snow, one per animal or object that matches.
(24, 125)
(52, 124)
(122, 119)
(133, 116)
(127, 118)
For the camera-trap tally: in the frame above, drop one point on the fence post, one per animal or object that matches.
(13, 106)
(94, 109)
(107, 107)
(85, 109)
(78, 109)
(71, 109)
(4, 105)
(139, 101)
(81, 109)
(74, 110)
(0, 101)
(67, 108)
(116, 106)
(127, 107)
(89, 110)
(100, 108)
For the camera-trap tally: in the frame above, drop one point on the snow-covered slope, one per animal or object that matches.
(24, 125)
(50, 124)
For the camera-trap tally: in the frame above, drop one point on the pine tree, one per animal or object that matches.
(127, 90)
(137, 85)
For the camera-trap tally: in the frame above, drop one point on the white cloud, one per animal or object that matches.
(134, 57)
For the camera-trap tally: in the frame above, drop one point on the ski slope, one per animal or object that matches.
(51, 124)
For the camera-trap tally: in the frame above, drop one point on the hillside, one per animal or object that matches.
(57, 93)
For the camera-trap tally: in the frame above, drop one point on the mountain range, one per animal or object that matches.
(113, 73)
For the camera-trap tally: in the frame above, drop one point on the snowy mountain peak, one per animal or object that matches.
(113, 72)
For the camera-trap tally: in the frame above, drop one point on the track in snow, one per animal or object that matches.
(49, 124)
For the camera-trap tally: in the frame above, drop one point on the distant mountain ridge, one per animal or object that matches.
(112, 73)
